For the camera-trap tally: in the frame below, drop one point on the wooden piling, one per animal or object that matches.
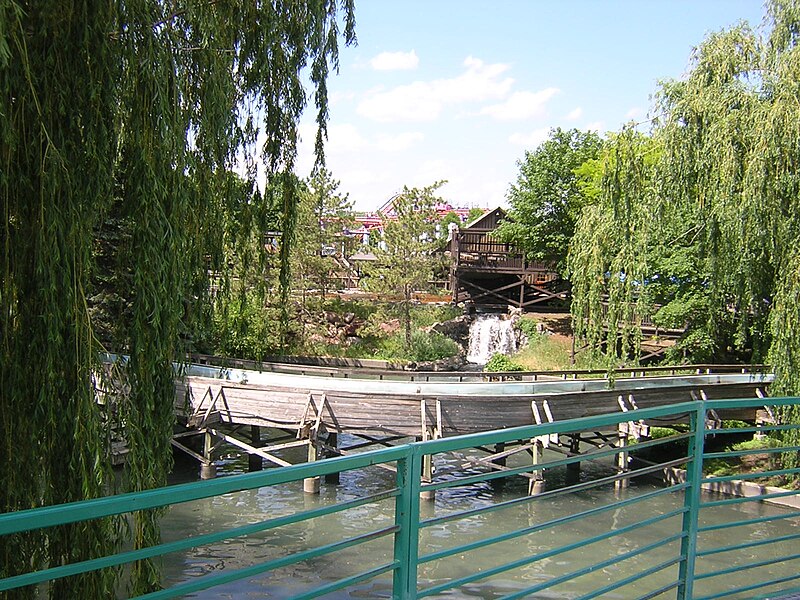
(255, 462)
(311, 484)
(622, 457)
(333, 443)
(536, 485)
(208, 470)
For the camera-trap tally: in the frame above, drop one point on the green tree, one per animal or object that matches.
(324, 216)
(547, 198)
(719, 205)
(405, 257)
(475, 213)
(148, 104)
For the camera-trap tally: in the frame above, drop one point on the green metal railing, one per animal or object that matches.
(577, 539)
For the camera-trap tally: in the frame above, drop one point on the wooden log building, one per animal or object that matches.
(485, 271)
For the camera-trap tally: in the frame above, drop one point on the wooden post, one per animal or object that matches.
(333, 442)
(255, 462)
(427, 460)
(574, 469)
(208, 470)
(536, 484)
(498, 484)
(622, 457)
(311, 484)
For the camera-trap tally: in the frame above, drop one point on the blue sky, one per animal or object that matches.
(459, 90)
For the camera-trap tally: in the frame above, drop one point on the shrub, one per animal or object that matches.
(424, 347)
(500, 363)
(528, 326)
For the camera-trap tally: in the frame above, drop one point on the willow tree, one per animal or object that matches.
(137, 109)
(722, 214)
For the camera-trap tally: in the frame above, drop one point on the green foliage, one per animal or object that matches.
(323, 216)
(547, 197)
(475, 213)
(424, 347)
(500, 363)
(712, 226)
(407, 260)
(123, 120)
(529, 326)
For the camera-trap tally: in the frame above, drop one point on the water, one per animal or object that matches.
(489, 335)
(241, 508)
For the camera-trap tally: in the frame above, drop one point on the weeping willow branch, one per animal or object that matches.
(115, 160)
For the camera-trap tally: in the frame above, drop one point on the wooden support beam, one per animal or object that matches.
(250, 449)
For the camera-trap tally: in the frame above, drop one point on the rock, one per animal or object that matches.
(348, 317)
(456, 329)
(452, 363)
(390, 327)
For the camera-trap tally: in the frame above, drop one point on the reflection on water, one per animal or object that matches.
(248, 507)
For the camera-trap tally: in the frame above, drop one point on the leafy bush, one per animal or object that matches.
(528, 326)
(425, 316)
(500, 363)
(424, 347)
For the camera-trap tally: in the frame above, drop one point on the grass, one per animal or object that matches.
(543, 352)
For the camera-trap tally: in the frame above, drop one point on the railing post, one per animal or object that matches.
(694, 476)
(406, 518)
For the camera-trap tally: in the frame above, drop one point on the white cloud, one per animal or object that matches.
(395, 61)
(575, 114)
(345, 138)
(530, 140)
(598, 126)
(521, 105)
(399, 142)
(425, 100)
(635, 113)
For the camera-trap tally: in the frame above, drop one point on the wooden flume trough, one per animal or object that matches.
(222, 403)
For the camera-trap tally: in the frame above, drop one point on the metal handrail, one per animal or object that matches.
(672, 557)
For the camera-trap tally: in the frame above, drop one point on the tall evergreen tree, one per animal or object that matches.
(405, 257)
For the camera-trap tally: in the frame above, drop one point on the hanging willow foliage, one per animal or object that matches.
(127, 116)
(717, 231)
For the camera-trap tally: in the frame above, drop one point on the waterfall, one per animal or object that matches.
(488, 335)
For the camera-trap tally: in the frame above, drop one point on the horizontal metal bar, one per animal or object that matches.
(580, 487)
(555, 523)
(601, 565)
(348, 581)
(738, 568)
(785, 594)
(766, 428)
(747, 545)
(665, 588)
(741, 500)
(48, 516)
(731, 524)
(738, 453)
(632, 578)
(541, 556)
(186, 544)
(753, 586)
(749, 476)
(589, 456)
(749, 402)
(203, 583)
(571, 426)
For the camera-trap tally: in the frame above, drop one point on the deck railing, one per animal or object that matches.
(597, 533)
